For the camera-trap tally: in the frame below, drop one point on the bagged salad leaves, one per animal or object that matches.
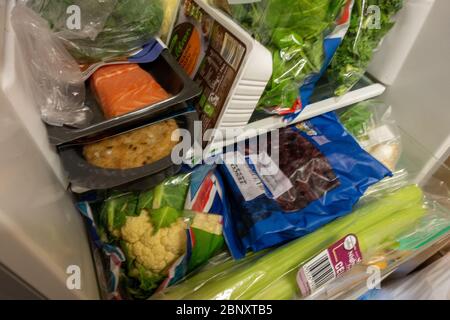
(321, 174)
(371, 20)
(303, 37)
(108, 29)
(152, 239)
(370, 236)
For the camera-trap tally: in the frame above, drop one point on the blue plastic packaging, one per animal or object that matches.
(323, 173)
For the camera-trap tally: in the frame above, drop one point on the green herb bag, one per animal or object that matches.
(371, 20)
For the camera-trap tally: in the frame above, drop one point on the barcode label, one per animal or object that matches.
(318, 272)
(329, 264)
(232, 51)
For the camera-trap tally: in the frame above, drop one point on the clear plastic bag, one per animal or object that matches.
(170, 14)
(110, 29)
(371, 20)
(74, 19)
(54, 77)
(378, 226)
(296, 33)
(151, 239)
(431, 283)
(372, 124)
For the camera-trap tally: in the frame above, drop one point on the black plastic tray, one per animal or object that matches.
(166, 71)
(85, 176)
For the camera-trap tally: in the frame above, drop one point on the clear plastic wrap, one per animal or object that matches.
(431, 283)
(54, 77)
(74, 19)
(372, 124)
(300, 36)
(170, 14)
(371, 20)
(379, 226)
(109, 29)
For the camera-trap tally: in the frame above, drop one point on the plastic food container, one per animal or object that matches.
(166, 71)
(232, 68)
(84, 176)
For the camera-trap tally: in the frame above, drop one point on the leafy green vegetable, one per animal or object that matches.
(146, 200)
(143, 284)
(164, 217)
(116, 210)
(272, 276)
(172, 193)
(294, 31)
(123, 25)
(363, 37)
(357, 119)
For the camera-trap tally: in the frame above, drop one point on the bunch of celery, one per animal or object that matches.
(272, 276)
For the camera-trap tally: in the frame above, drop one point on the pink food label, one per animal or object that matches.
(329, 264)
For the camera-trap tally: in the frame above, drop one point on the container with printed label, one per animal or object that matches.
(231, 67)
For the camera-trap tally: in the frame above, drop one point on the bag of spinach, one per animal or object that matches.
(371, 20)
(303, 36)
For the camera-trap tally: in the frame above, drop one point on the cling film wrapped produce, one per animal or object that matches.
(379, 227)
(302, 36)
(108, 29)
(155, 237)
(371, 20)
(372, 124)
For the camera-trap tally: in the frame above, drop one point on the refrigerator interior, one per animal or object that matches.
(44, 232)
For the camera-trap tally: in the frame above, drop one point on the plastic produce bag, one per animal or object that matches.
(431, 283)
(154, 238)
(321, 175)
(170, 14)
(303, 37)
(371, 20)
(372, 124)
(109, 29)
(54, 77)
(312, 263)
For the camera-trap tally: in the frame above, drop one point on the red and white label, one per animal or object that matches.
(329, 264)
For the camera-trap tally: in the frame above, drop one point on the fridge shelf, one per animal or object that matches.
(322, 102)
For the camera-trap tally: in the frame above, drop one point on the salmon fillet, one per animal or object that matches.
(124, 88)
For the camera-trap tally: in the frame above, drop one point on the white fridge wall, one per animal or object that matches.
(420, 94)
(396, 46)
(41, 233)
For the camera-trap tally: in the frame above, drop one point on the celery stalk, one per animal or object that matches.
(248, 280)
(373, 239)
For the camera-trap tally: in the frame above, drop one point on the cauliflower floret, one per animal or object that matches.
(211, 223)
(136, 227)
(154, 251)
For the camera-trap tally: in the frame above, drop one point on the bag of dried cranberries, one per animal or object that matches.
(295, 181)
